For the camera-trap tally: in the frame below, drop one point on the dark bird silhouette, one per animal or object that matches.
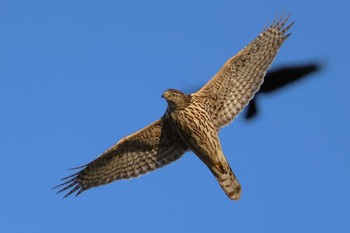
(278, 79)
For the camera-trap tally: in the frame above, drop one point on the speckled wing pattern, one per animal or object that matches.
(142, 152)
(230, 90)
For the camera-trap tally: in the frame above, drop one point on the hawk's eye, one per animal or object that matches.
(174, 95)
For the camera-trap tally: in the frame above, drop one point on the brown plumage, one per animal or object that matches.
(191, 122)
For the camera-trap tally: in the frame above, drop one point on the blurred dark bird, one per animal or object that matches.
(278, 79)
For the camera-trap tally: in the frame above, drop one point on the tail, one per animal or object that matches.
(227, 180)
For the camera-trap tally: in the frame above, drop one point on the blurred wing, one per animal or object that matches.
(137, 154)
(239, 79)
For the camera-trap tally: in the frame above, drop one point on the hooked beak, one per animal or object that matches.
(164, 95)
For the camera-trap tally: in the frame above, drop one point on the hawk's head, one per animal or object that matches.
(176, 99)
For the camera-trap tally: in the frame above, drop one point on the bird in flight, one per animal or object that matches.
(278, 79)
(190, 123)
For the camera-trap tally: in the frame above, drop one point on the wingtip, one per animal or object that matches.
(285, 29)
(280, 23)
(72, 183)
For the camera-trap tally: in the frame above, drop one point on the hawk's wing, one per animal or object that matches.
(137, 154)
(239, 79)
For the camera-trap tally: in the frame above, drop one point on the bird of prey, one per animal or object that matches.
(191, 122)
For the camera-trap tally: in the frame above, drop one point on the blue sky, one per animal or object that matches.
(76, 76)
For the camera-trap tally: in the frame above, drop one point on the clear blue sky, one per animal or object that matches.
(76, 76)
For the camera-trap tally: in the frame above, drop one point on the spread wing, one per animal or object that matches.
(230, 90)
(137, 154)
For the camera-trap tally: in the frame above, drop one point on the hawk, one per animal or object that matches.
(190, 123)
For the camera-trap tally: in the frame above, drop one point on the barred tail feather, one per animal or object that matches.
(227, 181)
(230, 185)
